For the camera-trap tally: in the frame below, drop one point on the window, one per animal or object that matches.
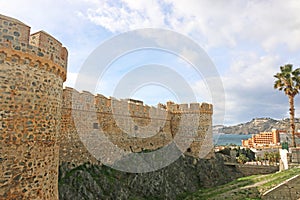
(95, 126)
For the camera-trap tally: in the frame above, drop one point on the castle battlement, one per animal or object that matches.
(39, 49)
(190, 108)
(73, 99)
(99, 103)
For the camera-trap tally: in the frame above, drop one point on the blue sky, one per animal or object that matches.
(246, 40)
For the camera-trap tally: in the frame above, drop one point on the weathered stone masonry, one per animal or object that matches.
(32, 71)
(42, 125)
(131, 126)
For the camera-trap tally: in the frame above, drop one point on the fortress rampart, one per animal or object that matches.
(131, 126)
(42, 125)
(32, 71)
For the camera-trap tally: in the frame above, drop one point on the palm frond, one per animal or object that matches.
(288, 80)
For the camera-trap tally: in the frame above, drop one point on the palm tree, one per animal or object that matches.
(277, 157)
(266, 157)
(288, 80)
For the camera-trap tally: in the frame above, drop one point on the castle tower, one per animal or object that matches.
(202, 146)
(192, 125)
(32, 71)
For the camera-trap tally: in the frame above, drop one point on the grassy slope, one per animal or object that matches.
(251, 187)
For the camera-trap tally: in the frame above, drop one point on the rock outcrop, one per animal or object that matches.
(185, 175)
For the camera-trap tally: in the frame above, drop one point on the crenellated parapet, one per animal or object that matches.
(203, 108)
(73, 99)
(99, 103)
(39, 50)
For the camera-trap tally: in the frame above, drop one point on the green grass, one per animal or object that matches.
(277, 178)
(250, 187)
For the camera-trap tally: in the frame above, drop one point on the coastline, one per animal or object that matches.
(222, 139)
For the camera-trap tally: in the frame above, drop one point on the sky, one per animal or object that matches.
(246, 40)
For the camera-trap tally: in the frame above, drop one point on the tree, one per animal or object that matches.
(277, 157)
(272, 158)
(250, 154)
(258, 160)
(266, 157)
(288, 80)
(242, 159)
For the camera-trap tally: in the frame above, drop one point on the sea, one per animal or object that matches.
(221, 139)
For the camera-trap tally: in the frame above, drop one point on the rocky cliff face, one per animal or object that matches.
(258, 125)
(185, 175)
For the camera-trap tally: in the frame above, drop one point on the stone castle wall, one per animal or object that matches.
(32, 71)
(130, 126)
(42, 125)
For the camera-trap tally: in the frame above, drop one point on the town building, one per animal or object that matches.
(263, 140)
(272, 139)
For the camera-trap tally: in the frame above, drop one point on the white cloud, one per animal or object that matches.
(126, 15)
(252, 71)
(249, 89)
(214, 23)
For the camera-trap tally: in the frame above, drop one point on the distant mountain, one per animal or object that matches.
(256, 125)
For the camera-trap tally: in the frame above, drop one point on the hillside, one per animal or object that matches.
(184, 176)
(257, 125)
(251, 187)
